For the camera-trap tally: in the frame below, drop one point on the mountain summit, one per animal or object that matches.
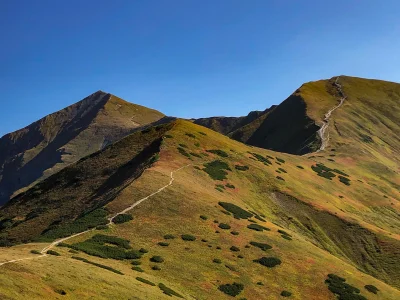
(59, 139)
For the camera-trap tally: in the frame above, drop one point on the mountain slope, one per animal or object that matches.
(48, 145)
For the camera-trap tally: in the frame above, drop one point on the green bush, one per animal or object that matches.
(195, 154)
(157, 259)
(338, 286)
(35, 252)
(136, 263)
(230, 186)
(261, 158)
(204, 240)
(102, 227)
(203, 217)
(98, 265)
(52, 252)
(220, 186)
(300, 167)
(286, 237)
(234, 249)
(190, 135)
(188, 237)
(183, 146)
(224, 226)
(216, 221)
(344, 180)
(233, 289)
(217, 169)
(371, 288)
(257, 227)
(61, 292)
(241, 168)
(259, 218)
(217, 260)
(260, 283)
(156, 268)
(138, 269)
(113, 240)
(167, 291)
(197, 168)
(163, 244)
(340, 172)
(238, 212)
(234, 233)
(169, 236)
(73, 251)
(145, 281)
(286, 294)
(284, 232)
(280, 160)
(280, 178)
(282, 170)
(269, 262)
(202, 133)
(218, 248)
(240, 256)
(82, 223)
(262, 246)
(142, 250)
(197, 144)
(218, 152)
(183, 152)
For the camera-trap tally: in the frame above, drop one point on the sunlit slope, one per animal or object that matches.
(48, 145)
(323, 226)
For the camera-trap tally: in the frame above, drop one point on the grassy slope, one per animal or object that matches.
(188, 266)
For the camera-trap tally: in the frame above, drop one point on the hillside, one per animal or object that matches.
(48, 145)
(180, 210)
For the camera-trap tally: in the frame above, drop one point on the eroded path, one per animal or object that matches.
(55, 243)
(323, 131)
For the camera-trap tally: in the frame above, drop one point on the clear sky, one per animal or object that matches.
(186, 58)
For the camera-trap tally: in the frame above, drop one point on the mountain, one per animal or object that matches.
(48, 145)
(180, 210)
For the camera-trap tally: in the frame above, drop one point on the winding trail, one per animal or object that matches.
(55, 243)
(323, 131)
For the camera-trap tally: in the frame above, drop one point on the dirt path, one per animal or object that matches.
(323, 131)
(55, 243)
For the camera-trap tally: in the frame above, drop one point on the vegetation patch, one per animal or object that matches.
(102, 227)
(216, 260)
(202, 133)
(344, 180)
(283, 232)
(183, 152)
(241, 168)
(167, 291)
(190, 135)
(136, 263)
(268, 262)
(97, 265)
(261, 158)
(262, 246)
(300, 167)
(280, 178)
(234, 233)
(220, 186)
(257, 227)
(122, 218)
(197, 144)
(217, 169)
(282, 170)
(259, 218)
(137, 269)
(323, 171)
(195, 154)
(282, 161)
(234, 249)
(168, 136)
(169, 236)
(157, 259)
(238, 212)
(341, 289)
(224, 226)
(163, 244)
(218, 152)
(35, 252)
(233, 289)
(371, 288)
(83, 223)
(286, 294)
(183, 146)
(52, 252)
(145, 281)
(156, 268)
(230, 186)
(188, 237)
(203, 217)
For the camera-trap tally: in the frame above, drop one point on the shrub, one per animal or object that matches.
(218, 152)
(240, 256)
(344, 291)
(286, 294)
(202, 133)
(204, 240)
(300, 167)
(234, 249)
(183, 152)
(238, 212)
(97, 265)
(283, 232)
(282, 170)
(156, 268)
(218, 248)
(197, 144)
(282, 161)
(262, 246)
(73, 251)
(197, 168)
(195, 154)
(190, 135)
(230, 186)
(136, 263)
(261, 158)
(203, 217)
(280, 178)
(340, 172)
(35, 252)
(217, 169)
(216, 221)
(61, 245)
(344, 180)
(145, 281)
(226, 212)
(257, 227)
(168, 136)
(259, 218)
(167, 291)
(234, 233)
(183, 146)
(169, 237)
(107, 239)
(233, 289)
(241, 168)
(163, 244)
(371, 288)
(286, 237)
(224, 226)
(269, 262)
(142, 250)
(52, 252)
(61, 292)
(217, 260)
(219, 189)
(138, 269)
(102, 227)
(157, 259)
(260, 283)
(220, 186)
(188, 237)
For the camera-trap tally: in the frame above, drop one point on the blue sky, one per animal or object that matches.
(186, 58)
